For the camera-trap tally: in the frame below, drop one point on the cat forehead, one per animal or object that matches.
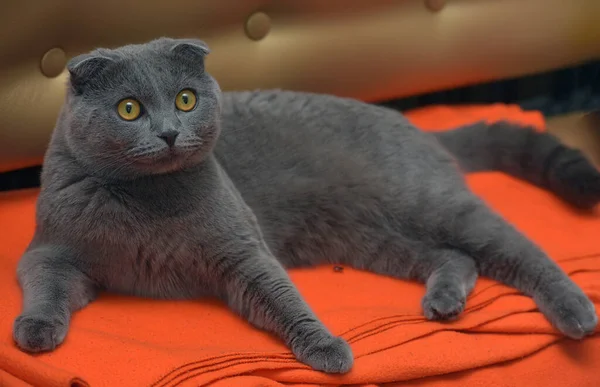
(192, 48)
(144, 57)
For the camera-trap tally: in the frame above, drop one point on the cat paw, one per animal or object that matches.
(329, 354)
(572, 313)
(34, 334)
(443, 303)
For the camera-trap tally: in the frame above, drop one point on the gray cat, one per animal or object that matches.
(138, 197)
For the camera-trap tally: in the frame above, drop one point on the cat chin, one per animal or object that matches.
(161, 167)
(165, 169)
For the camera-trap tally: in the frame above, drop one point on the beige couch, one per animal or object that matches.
(366, 49)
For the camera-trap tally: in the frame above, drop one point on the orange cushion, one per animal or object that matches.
(500, 340)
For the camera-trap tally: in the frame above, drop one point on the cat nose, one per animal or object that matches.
(169, 137)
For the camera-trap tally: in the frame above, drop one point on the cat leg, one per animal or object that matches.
(52, 290)
(504, 254)
(449, 274)
(448, 284)
(260, 290)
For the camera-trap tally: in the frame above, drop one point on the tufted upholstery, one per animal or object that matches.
(370, 50)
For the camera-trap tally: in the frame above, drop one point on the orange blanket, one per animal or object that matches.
(119, 341)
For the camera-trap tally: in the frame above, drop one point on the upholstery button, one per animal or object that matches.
(53, 62)
(258, 25)
(435, 5)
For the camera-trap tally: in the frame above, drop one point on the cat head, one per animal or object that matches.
(141, 109)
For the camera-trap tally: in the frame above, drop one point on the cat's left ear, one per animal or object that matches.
(84, 68)
(190, 48)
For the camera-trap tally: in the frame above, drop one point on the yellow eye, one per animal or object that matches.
(185, 100)
(129, 109)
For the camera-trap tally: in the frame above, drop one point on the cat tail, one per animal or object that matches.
(522, 152)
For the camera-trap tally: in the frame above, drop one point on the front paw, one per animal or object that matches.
(571, 312)
(324, 352)
(37, 334)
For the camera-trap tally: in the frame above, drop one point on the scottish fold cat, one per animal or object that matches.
(157, 184)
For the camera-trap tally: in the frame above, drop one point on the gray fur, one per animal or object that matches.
(523, 152)
(295, 179)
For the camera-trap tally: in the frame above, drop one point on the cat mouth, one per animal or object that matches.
(167, 156)
(150, 156)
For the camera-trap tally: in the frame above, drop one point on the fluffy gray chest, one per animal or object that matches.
(132, 253)
(161, 265)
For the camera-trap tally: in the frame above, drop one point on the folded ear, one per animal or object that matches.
(85, 67)
(190, 48)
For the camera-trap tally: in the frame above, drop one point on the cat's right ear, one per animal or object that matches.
(83, 69)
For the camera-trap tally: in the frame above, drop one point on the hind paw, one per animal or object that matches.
(443, 303)
(572, 313)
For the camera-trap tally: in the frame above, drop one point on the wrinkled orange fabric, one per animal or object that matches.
(500, 339)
